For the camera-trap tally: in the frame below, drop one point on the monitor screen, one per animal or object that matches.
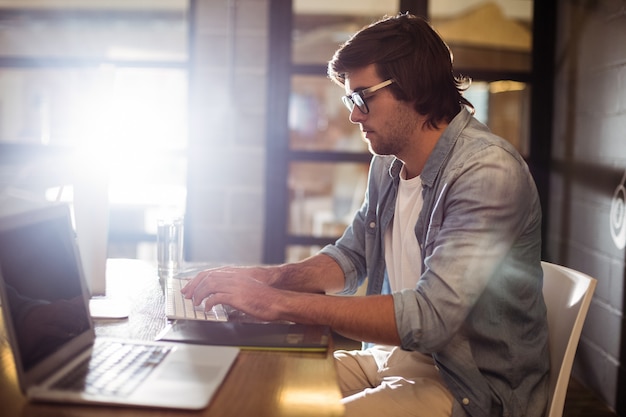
(42, 286)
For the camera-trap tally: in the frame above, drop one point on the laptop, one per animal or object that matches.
(47, 323)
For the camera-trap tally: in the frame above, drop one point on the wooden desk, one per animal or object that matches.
(260, 384)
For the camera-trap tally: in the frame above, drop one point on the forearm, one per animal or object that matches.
(365, 318)
(294, 294)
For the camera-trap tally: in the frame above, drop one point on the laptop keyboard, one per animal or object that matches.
(114, 368)
(179, 307)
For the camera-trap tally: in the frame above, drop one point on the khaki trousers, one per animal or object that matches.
(389, 381)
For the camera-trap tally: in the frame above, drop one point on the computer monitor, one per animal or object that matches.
(91, 221)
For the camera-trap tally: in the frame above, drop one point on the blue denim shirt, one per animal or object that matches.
(478, 306)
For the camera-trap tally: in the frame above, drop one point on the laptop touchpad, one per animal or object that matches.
(185, 371)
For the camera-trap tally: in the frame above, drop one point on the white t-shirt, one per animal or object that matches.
(402, 252)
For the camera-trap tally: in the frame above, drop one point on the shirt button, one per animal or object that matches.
(466, 401)
(372, 225)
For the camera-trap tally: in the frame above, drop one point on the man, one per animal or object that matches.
(448, 237)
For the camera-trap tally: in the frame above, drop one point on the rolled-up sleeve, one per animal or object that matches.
(484, 209)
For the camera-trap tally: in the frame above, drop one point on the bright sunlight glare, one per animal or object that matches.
(130, 125)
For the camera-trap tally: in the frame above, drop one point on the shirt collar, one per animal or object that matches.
(444, 146)
(440, 152)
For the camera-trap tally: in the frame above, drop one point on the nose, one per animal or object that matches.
(357, 116)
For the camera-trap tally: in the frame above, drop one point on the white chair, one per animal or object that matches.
(567, 294)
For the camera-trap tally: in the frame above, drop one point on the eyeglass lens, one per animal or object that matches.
(355, 99)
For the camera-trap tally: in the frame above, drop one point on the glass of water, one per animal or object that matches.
(170, 246)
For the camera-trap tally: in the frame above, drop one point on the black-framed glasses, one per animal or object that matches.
(358, 97)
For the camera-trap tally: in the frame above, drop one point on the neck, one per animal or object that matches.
(425, 142)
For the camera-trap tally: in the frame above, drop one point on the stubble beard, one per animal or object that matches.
(396, 134)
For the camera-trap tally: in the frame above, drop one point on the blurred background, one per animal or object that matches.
(154, 102)
(220, 110)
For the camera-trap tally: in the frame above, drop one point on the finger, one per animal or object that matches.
(210, 302)
(208, 287)
(193, 283)
(240, 293)
(219, 289)
(207, 274)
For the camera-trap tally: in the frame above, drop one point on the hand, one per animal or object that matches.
(245, 289)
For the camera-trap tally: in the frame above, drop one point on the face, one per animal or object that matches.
(389, 126)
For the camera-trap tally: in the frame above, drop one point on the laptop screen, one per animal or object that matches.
(42, 283)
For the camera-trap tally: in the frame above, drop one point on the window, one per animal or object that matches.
(97, 91)
(325, 157)
(316, 160)
(497, 56)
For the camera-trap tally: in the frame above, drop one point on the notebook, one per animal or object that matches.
(45, 312)
(280, 336)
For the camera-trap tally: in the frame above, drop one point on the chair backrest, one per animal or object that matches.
(567, 294)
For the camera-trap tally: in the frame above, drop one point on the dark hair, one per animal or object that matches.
(407, 49)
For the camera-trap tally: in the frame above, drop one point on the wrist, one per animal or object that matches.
(278, 275)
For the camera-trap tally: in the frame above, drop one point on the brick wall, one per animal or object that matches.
(225, 202)
(588, 165)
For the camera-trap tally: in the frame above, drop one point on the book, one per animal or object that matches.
(251, 336)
